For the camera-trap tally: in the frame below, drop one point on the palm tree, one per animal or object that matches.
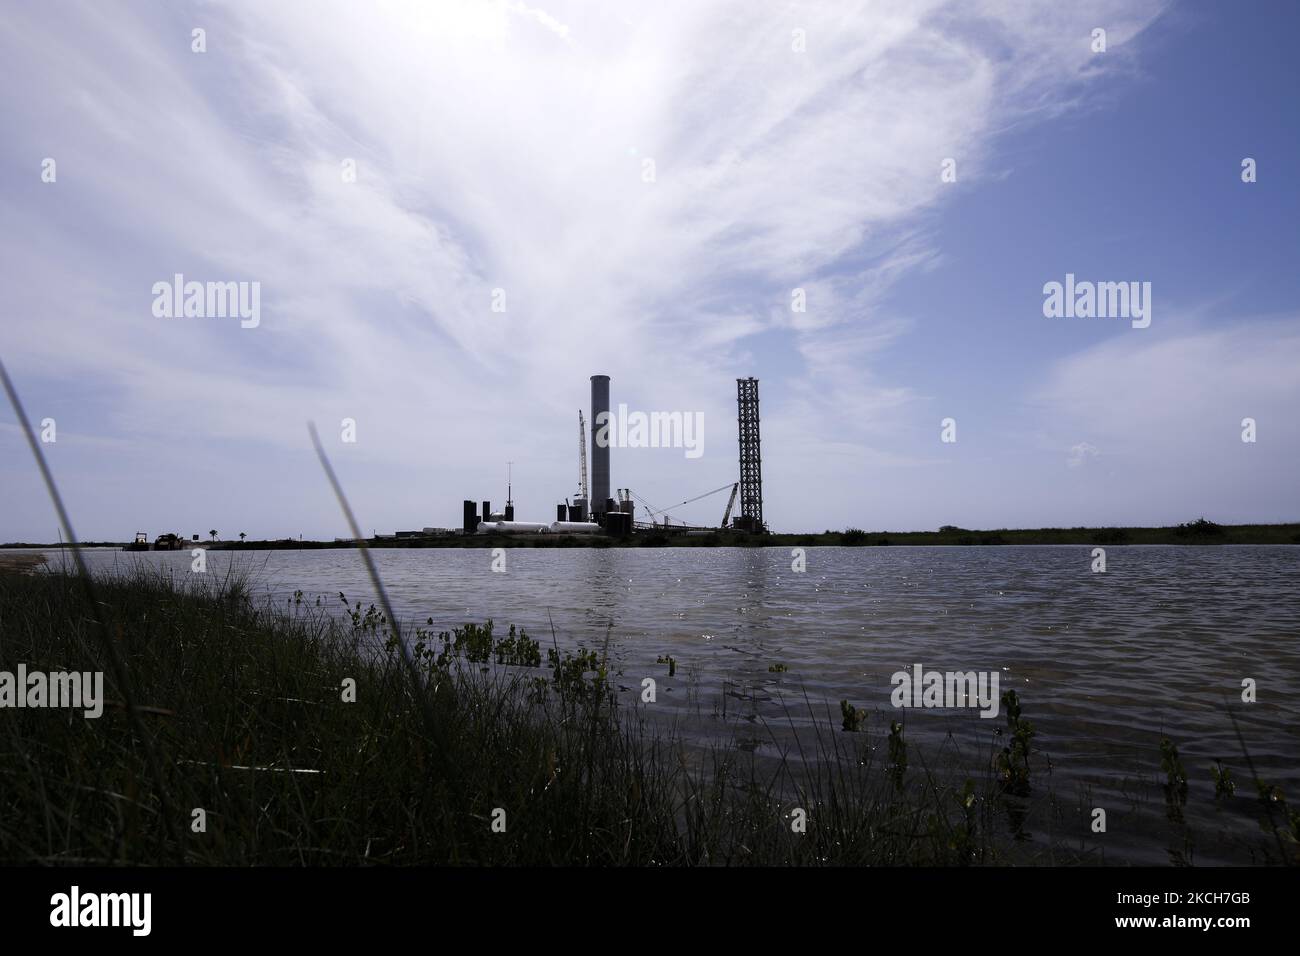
(213, 532)
(242, 536)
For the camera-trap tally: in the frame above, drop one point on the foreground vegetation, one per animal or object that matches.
(302, 738)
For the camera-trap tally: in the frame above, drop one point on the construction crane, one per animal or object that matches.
(726, 515)
(665, 513)
(582, 456)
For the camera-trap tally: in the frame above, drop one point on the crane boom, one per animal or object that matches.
(666, 512)
(582, 455)
(726, 515)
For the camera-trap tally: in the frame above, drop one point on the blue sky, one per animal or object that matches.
(504, 146)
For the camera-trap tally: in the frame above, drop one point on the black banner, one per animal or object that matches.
(215, 906)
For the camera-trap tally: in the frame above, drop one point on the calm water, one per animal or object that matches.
(1104, 663)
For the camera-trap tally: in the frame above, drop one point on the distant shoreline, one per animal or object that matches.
(1192, 533)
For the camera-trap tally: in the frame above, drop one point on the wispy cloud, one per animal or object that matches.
(503, 146)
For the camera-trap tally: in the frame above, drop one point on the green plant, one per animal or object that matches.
(897, 753)
(370, 621)
(962, 839)
(1224, 786)
(1012, 764)
(853, 717)
(1271, 798)
(569, 672)
(518, 650)
(1175, 786)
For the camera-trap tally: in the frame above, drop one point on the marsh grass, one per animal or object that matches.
(244, 702)
(245, 707)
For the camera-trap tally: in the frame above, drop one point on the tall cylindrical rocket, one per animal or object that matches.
(600, 428)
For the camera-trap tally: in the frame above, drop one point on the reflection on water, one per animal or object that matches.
(1104, 663)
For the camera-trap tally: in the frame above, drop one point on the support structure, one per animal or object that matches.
(751, 459)
(600, 427)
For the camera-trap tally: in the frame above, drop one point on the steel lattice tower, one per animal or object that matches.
(751, 459)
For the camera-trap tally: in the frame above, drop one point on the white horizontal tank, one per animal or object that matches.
(574, 527)
(511, 527)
